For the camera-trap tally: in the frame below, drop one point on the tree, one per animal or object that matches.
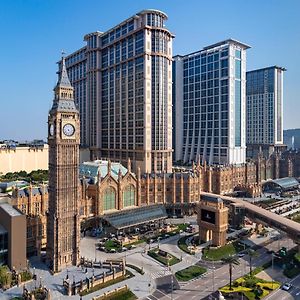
(251, 254)
(230, 260)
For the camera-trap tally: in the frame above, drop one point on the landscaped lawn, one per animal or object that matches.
(190, 273)
(183, 246)
(252, 287)
(222, 252)
(169, 260)
(182, 227)
(122, 295)
(110, 244)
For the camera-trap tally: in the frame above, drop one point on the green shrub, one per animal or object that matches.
(190, 273)
(5, 277)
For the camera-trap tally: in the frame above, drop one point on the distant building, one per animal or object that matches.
(209, 104)
(291, 137)
(265, 106)
(23, 158)
(29, 158)
(12, 237)
(123, 87)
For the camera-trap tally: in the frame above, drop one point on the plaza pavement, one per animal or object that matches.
(145, 286)
(218, 277)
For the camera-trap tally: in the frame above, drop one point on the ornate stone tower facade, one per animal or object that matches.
(63, 228)
(212, 220)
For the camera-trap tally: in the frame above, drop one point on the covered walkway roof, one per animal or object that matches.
(271, 219)
(136, 216)
(286, 183)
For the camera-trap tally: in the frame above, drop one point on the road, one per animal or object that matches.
(214, 279)
(293, 293)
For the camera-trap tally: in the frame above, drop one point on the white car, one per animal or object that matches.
(286, 286)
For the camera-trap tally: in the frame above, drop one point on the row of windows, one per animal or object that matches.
(155, 20)
(133, 45)
(205, 58)
(117, 33)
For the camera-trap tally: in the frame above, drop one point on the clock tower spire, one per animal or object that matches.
(63, 229)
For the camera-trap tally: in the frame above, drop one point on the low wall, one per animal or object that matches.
(115, 269)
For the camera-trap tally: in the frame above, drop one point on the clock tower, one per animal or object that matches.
(63, 228)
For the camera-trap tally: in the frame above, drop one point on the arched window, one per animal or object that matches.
(109, 199)
(128, 196)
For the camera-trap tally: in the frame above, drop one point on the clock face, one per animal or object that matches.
(69, 130)
(51, 130)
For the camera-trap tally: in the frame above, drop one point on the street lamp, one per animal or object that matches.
(272, 269)
(213, 273)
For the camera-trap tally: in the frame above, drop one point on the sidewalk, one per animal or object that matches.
(139, 284)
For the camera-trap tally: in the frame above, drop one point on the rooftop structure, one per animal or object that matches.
(7, 186)
(138, 216)
(93, 169)
(285, 184)
(10, 210)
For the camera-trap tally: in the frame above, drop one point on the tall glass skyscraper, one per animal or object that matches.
(123, 87)
(209, 100)
(264, 106)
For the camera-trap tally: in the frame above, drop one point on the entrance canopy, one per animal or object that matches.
(136, 216)
(284, 184)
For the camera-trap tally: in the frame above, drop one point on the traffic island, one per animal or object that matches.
(217, 254)
(163, 257)
(250, 287)
(190, 273)
(122, 293)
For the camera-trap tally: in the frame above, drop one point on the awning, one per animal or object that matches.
(136, 216)
(284, 183)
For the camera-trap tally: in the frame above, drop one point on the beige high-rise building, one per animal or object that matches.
(123, 86)
(63, 228)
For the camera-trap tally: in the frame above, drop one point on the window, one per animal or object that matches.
(109, 199)
(238, 69)
(129, 196)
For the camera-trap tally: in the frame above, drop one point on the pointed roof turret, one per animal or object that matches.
(63, 78)
(63, 92)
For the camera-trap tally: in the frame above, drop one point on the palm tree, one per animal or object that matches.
(252, 253)
(230, 260)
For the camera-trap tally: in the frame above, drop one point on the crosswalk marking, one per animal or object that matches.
(161, 274)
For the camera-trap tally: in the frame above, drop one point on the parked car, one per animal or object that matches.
(112, 250)
(241, 255)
